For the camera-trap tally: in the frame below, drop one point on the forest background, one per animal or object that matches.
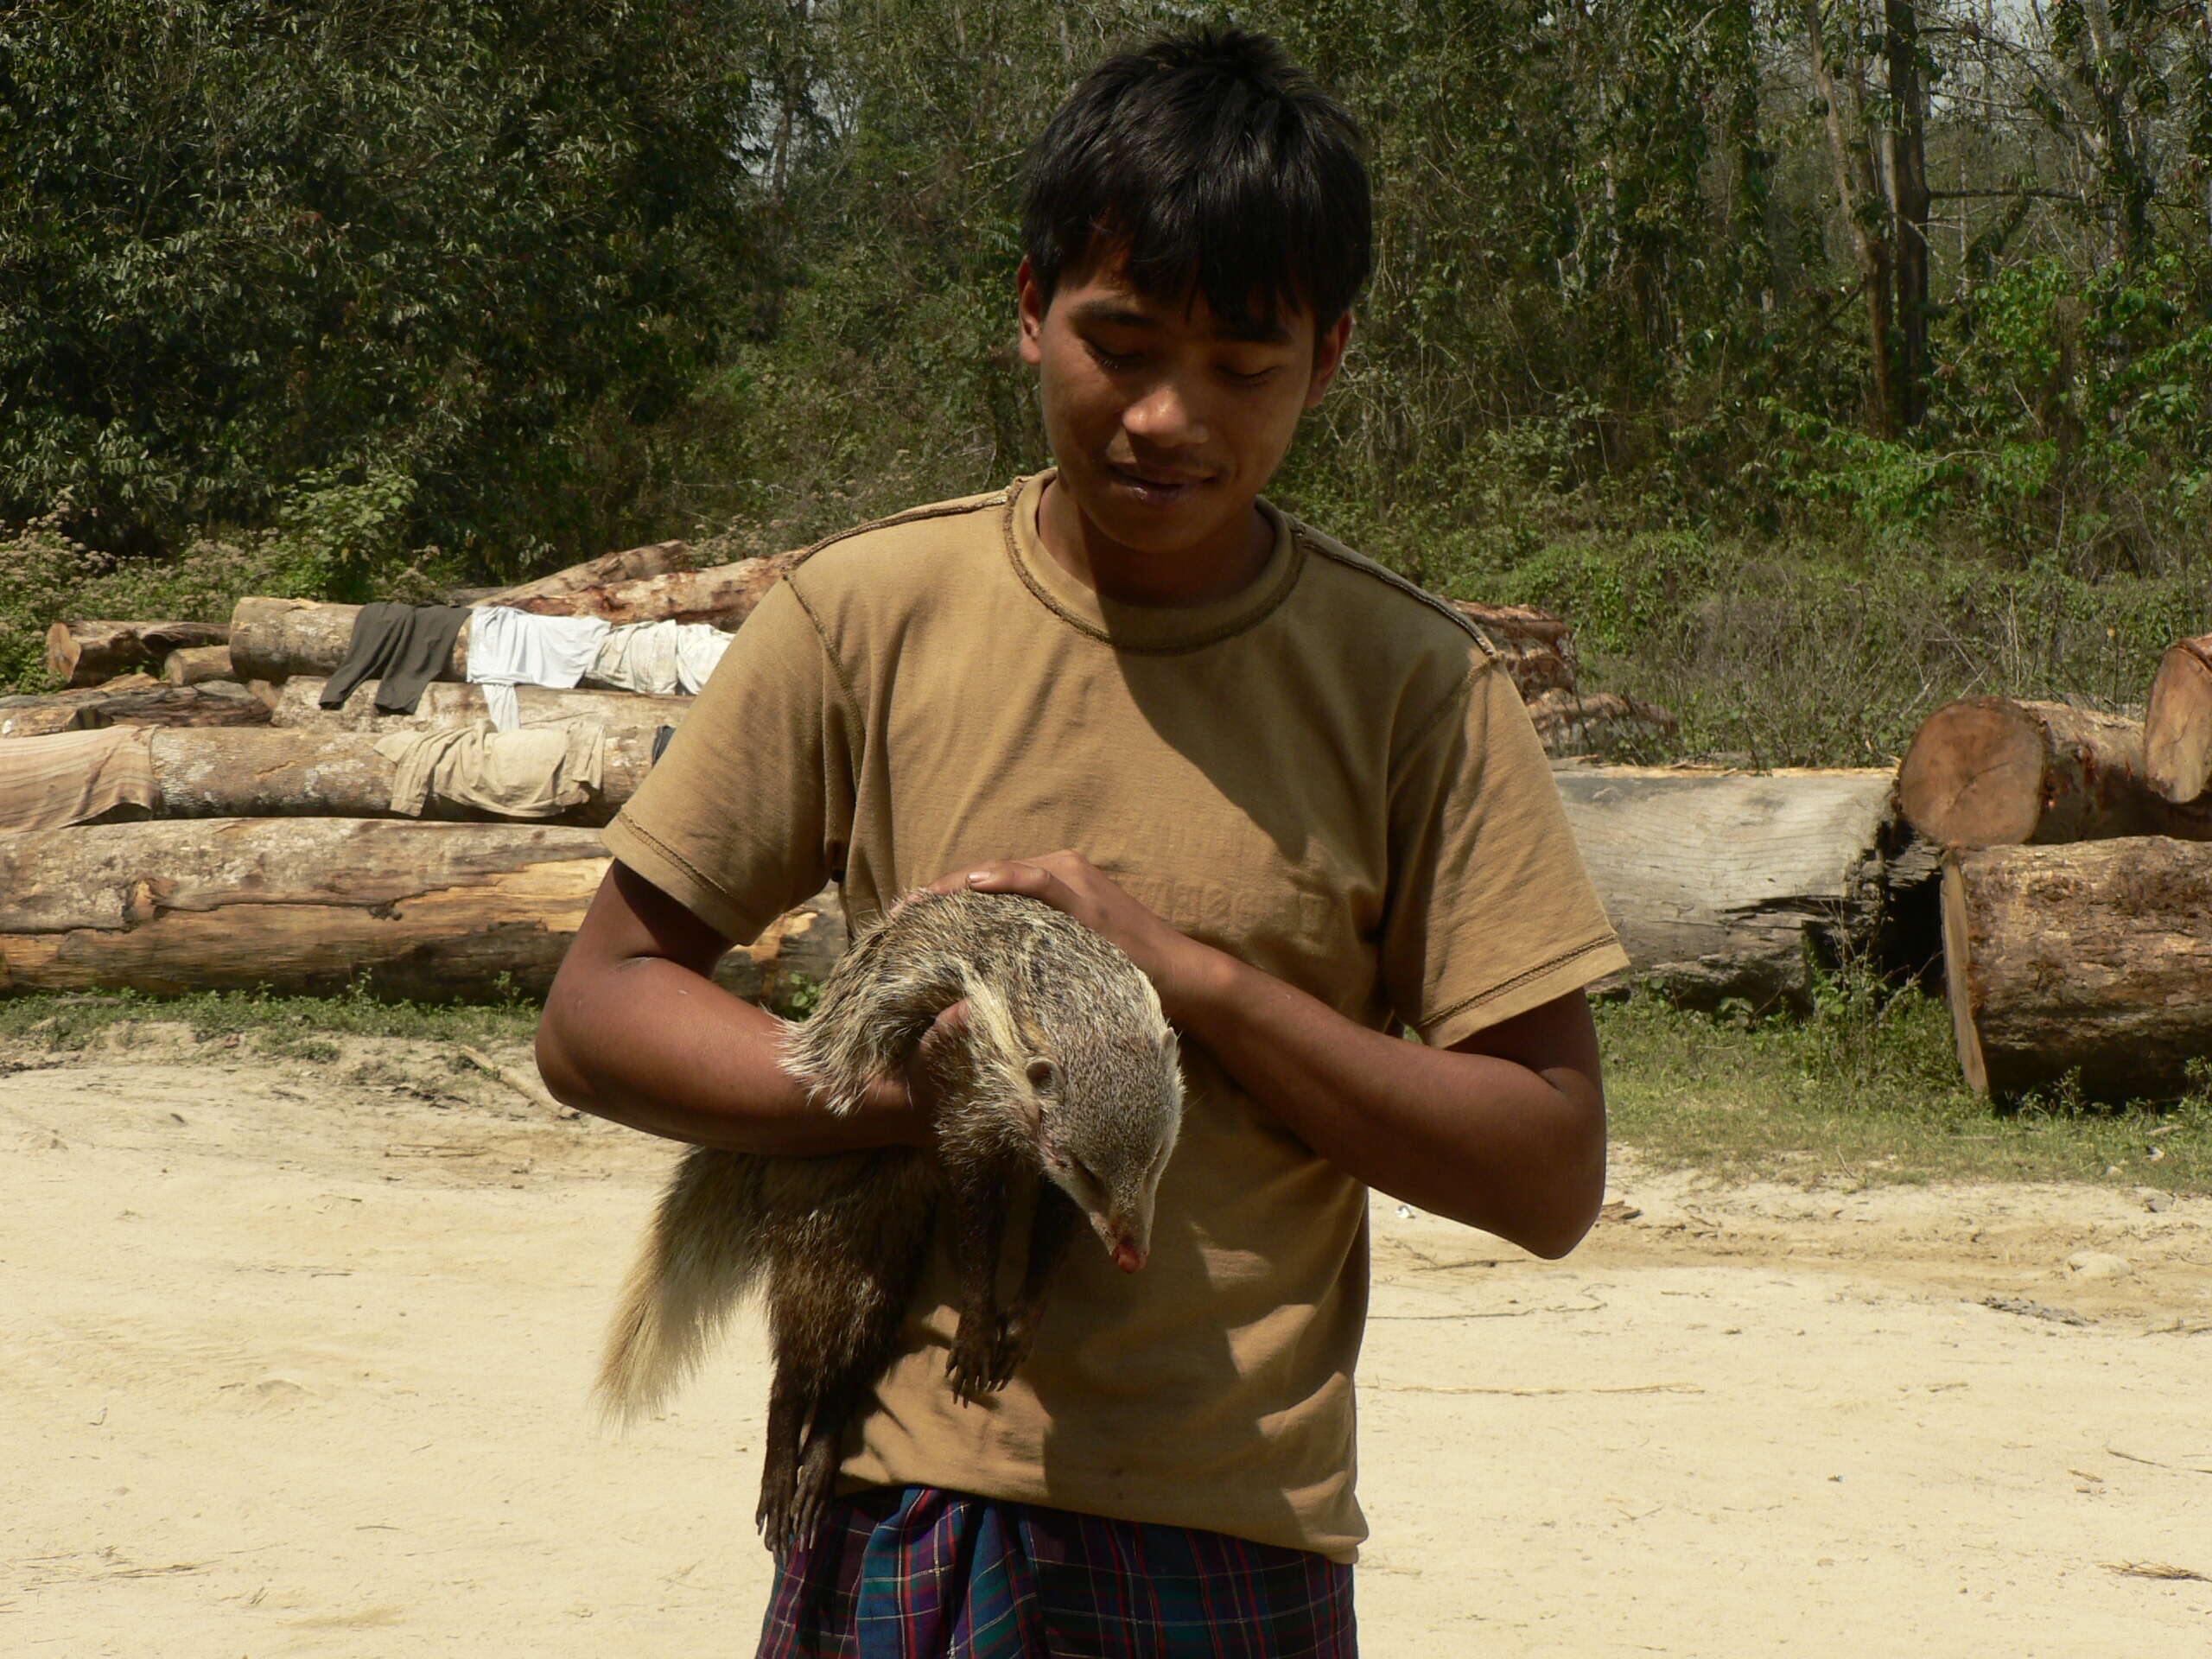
(1818, 360)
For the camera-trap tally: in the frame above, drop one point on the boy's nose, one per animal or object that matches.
(1165, 415)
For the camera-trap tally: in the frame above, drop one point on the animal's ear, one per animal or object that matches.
(1042, 1073)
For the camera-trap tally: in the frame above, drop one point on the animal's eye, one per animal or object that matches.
(1042, 1073)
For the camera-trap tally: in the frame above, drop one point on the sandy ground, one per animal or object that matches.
(294, 1361)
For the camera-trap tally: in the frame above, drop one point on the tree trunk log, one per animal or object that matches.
(2093, 957)
(1736, 886)
(2177, 730)
(193, 664)
(723, 594)
(85, 653)
(279, 773)
(632, 564)
(435, 912)
(1988, 772)
(446, 704)
(135, 700)
(276, 638)
(1537, 646)
(1574, 722)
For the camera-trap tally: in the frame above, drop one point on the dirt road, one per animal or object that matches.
(295, 1355)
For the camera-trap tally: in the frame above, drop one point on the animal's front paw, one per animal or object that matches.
(983, 1359)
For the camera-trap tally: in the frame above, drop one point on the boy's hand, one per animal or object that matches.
(1176, 963)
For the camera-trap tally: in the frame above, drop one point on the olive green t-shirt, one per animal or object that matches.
(1327, 774)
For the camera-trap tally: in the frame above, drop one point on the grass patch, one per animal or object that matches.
(290, 1027)
(1867, 1091)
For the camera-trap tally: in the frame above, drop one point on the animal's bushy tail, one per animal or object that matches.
(705, 1249)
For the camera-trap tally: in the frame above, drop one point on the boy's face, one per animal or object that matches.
(1164, 422)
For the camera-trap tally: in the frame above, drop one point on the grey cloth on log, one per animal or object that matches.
(65, 778)
(534, 771)
(401, 647)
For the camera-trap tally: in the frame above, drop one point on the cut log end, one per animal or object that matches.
(2177, 729)
(1973, 774)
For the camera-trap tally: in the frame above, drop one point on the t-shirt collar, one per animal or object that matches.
(1144, 627)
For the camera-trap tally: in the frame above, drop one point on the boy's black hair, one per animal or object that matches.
(1206, 156)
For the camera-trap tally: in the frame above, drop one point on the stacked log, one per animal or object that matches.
(284, 638)
(630, 564)
(85, 653)
(133, 699)
(2177, 727)
(1537, 647)
(1728, 887)
(281, 773)
(299, 706)
(2076, 931)
(1589, 722)
(193, 664)
(2091, 962)
(433, 911)
(1989, 772)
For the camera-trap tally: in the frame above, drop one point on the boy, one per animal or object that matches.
(1302, 795)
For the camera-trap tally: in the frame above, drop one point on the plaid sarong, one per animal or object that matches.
(920, 1573)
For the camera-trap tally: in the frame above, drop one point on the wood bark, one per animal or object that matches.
(1905, 135)
(276, 638)
(1574, 722)
(1536, 646)
(723, 594)
(193, 664)
(2177, 729)
(134, 700)
(2089, 959)
(630, 564)
(1735, 886)
(446, 704)
(1876, 263)
(85, 653)
(1989, 772)
(329, 775)
(435, 912)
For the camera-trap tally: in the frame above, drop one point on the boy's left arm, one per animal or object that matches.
(1505, 1130)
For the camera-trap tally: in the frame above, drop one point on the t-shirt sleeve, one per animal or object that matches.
(748, 812)
(1490, 912)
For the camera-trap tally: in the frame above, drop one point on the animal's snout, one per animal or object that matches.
(1127, 1257)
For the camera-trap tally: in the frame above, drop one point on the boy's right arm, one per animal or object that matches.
(634, 1030)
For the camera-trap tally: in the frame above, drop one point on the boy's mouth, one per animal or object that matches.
(1158, 488)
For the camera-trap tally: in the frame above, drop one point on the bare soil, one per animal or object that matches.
(295, 1359)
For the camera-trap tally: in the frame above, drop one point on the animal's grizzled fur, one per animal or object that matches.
(1068, 1071)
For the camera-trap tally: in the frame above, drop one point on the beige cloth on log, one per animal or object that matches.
(534, 771)
(67, 778)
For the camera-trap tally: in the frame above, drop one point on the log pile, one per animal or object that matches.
(285, 852)
(2078, 885)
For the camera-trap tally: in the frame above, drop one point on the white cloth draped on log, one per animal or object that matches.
(663, 659)
(507, 648)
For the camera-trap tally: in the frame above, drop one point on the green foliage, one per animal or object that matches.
(248, 251)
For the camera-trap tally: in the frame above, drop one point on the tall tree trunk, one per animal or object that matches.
(1907, 138)
(1875, 262)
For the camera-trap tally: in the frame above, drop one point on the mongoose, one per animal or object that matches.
(1068, 1071)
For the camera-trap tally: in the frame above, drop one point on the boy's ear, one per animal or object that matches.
(1031, 307)
(1328, 357)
